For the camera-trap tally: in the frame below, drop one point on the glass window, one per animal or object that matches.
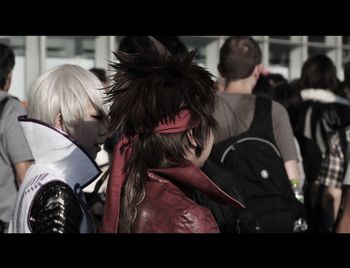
(317, 39)
(79, 50)
(200, 43)
(282, 37)
(118, 39)
(279, 54)
(346, 40)
(312, 51)
(346, 55)
(279, 59)
(191, 42)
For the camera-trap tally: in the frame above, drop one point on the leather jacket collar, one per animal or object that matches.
(190, 175)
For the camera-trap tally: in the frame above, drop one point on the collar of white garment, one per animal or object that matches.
(322, 95)
(54, 148)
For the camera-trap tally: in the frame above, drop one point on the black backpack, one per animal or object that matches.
(257, 165)
(225, 215)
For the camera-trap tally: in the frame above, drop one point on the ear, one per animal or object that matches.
(59, 121)
(8, 81)
(257, 71)
(220, 69)
(191, 139)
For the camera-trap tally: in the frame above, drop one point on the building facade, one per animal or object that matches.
(281, 54)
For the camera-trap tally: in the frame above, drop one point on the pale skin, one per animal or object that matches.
(332, 195)
(93, 124)
(292, 169)
(220, 85)
(191, 156)
(245, 86)
(344, 223)
(21, 169)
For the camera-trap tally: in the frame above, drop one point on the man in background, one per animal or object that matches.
(15, 155)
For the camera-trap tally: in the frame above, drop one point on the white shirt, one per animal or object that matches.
(57, 158)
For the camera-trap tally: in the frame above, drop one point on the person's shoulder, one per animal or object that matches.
(163, 189)
(183, 207)
(171, 204)
(278, 108)
(166, 195)
(14, 106)
(185, 215)
(197, 219)
(221, 97)
(234, 99)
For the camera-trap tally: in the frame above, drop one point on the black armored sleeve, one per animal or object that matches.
(55, 209)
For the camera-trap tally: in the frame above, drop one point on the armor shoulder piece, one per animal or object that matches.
(55, 209)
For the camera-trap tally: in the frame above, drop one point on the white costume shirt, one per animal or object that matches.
(57, 158)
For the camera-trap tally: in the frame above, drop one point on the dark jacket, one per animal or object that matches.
(168, 206)
(321, 114)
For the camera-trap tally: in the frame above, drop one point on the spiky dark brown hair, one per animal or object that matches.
(151, 87)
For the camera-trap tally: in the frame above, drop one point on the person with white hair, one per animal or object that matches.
(65, 127)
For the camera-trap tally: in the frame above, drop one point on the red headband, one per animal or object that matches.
(117, 176)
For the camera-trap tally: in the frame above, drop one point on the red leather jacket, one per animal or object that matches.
(167, 209)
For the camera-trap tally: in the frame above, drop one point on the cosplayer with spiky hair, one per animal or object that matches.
(163, 108)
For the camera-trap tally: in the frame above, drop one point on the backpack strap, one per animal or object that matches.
(262, 121)
(2, 104)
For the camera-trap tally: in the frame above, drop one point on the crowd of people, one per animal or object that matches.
(246, 152)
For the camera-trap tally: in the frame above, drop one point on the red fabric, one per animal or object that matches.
(180, 125)
(115, 184)
(117, 176)
(167, 209)
(193, 177)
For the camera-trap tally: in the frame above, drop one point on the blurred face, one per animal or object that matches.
(90, 133)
